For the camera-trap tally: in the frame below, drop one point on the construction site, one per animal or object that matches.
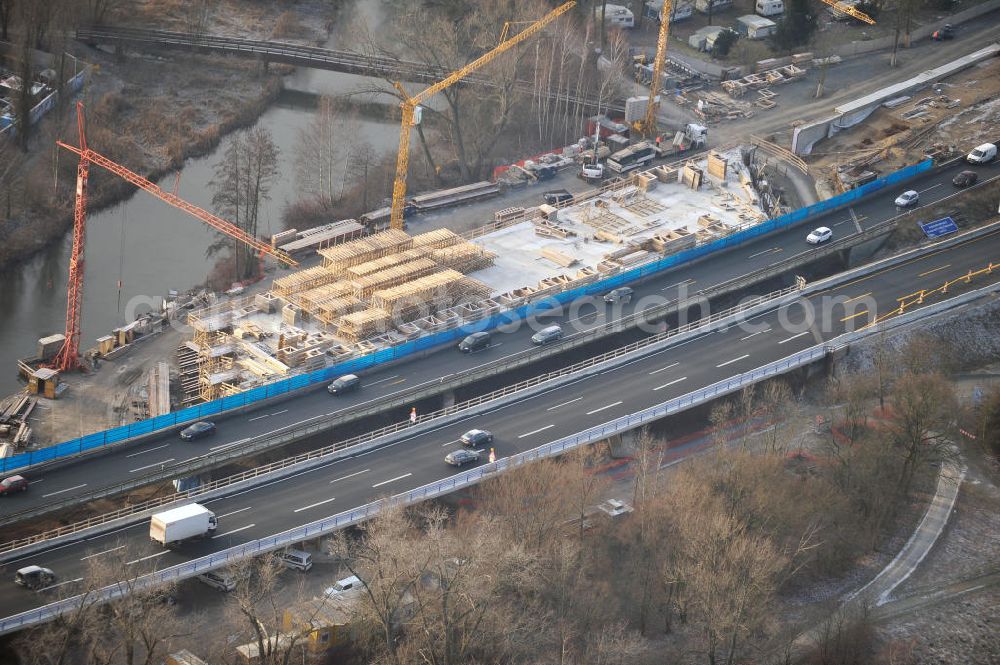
(391, 287)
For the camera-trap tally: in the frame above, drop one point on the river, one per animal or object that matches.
(152, 247)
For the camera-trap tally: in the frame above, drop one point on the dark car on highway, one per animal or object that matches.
(460, 457)
(965, 179)
(475, 342)
(198, 430)
(546, 335)
(941, 34)
(477, 437)
(344, 384)
(34, 577)
(13, 484)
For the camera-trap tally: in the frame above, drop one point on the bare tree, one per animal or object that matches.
(322, 150)
(242, 183)
(924, 410)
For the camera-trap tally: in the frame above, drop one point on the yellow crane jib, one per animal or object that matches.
(409, 104)
(648, 126)
(850, 11)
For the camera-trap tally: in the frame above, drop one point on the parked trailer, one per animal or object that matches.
(182, 523)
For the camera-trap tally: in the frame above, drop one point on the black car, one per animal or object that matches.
(477, 437)
(34, 577)
(622, 294)
(557, 196)
(965, 179)
(344, 384)
(460, 457)
(198, 430)
(475, 342)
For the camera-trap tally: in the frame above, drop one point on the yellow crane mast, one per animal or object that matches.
(648, 126)
(850, 11)
(410, 104)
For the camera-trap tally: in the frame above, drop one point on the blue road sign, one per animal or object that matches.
(939, 227)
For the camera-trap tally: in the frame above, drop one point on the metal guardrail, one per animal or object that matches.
(369, 437)
(341, 520)
(347, 518)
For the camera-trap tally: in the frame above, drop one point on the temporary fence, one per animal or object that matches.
(394, 353)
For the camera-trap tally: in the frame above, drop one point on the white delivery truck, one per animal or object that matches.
(182, 523)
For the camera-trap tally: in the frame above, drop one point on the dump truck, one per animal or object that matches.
(182, 523)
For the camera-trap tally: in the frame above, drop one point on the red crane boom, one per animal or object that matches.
(68, 356)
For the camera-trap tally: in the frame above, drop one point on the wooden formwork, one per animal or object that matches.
(303, 280)
(364, 287)
(311, 299)
(436, 239)
(341, 257)
(331, 310)
(424, 289)
(359, 325)
(464, 257)
(389, 261)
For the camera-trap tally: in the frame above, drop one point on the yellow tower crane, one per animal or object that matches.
(850, 11)
(409, 104)
(648, 126)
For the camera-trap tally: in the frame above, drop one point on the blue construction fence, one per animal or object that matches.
(510, 317)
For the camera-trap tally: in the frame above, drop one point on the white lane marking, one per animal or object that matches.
(933, 270)
(450, 443)
(589, 413)
(789, 339)
(53, 586)
(657, 371)
(766, 251)
(149, 450)
(278, 413)
(392, 480)
(670, 383)
(229, 533)
(234, 512)
(921, 191)
(145, 558)
(350, 475)
(540, 429)
(234, 443)
(685, 282)
(91, 556)
(251, 420)
(743, 339)
(553, 408)
(68, 489)
(150, 466)
(388, 378)
(730, 362)
(313, 505)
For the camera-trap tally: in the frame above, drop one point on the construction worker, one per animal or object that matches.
(413, 416)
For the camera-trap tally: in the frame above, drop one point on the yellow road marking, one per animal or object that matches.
(923, 274)
(857, 297)
(853, 316)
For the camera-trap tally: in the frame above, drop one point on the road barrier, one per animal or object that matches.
(421, 344)
(339, 521)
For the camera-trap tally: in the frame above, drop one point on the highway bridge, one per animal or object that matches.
(631, 387)
(391, 391)
(337, 60)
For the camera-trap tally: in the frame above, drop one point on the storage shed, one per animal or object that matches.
(753, 26)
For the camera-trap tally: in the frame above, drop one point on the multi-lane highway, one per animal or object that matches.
(419, 459)
(127, 463)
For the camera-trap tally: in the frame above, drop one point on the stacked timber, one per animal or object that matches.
(364, 287)
(465, 257)
(311, 299)
(436, 239)
(369, 267)
(359, 325)
(303, 280)
(341, 257)
(428, 293)
(329, 311)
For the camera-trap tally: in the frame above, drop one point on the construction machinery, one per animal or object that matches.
(410, 105)
(68, 356)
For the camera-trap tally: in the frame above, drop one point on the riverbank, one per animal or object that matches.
(148, 113)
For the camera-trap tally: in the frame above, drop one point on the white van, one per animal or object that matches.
(343, 586)
(219, 579)
(616, 16)
(295, 559)
(982, 154)
(770, 7)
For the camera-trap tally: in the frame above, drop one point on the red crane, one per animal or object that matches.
(68, 357)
